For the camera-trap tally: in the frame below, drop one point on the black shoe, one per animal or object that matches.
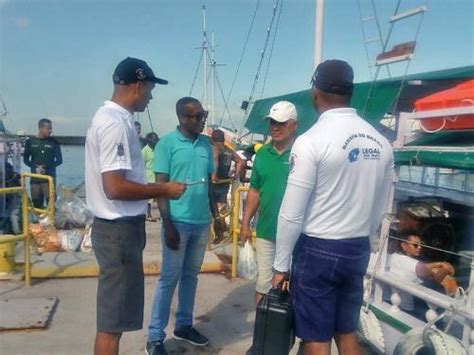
(155, 348)
(192, 336)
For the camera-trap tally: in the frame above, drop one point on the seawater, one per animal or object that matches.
(71, 172)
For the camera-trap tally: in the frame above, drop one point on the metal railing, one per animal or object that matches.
(25, 208)
(49, 210)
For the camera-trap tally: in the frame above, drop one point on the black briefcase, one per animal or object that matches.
(273, 331)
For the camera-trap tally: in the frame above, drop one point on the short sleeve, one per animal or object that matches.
(404, 267)
(114, 153)
(303, 164)
(255, 178)
(162, 157)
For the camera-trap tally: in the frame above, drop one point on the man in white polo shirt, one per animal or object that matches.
(337, 192)
(117, 194)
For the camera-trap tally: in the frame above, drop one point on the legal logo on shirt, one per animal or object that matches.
(120, 151)
(371, 153)
(292, 162)
(353, 155)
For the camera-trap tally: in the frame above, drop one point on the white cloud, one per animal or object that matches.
(21, 22)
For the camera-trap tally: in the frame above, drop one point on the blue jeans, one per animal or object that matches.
(181, 265)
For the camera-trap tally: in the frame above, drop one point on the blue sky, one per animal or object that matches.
(57, 56)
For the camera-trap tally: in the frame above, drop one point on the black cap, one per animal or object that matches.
(132, 70)
(334, 77)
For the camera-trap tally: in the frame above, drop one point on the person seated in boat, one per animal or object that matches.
(405, 265)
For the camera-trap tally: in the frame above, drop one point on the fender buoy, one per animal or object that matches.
(436, 342)
(370, 330)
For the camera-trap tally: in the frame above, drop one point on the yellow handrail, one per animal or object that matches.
(49, 210)
(25, 236)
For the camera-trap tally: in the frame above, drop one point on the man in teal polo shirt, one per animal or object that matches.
(267, 187)
(184, 155)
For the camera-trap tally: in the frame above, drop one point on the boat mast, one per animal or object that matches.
(318, 33)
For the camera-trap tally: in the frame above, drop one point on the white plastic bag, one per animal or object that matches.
(71, 211)
(86, 245)
(70, 239)
(247, 264)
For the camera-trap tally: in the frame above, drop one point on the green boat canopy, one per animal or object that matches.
(384, 100)
(430, 156)
(383, 97)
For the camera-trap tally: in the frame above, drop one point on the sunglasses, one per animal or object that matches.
(199, 116)
(416, 245)
(276, 123)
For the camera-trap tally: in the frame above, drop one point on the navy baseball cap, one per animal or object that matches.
(132, 70)
(334, 77)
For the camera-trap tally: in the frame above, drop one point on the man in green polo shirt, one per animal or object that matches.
(267, 187)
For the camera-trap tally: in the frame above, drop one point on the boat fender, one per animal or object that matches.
(370, 330)
(435, 342)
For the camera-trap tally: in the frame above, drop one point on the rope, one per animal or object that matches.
(241, 57)
(149, 119)
(383, 241)
(225, 103)
(271, 50)
(196, 73)
(460, 299)
(379, 32)
(445, 119)
(262, 57)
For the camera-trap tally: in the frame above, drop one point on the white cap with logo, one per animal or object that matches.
(283, 111)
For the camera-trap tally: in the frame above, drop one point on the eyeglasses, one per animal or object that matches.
(199, 116)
